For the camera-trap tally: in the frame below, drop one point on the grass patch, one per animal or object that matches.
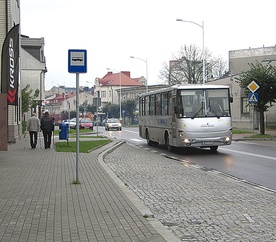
(239, 131)
(85, 146)
(73, 131)
(271, 128)
(88, 136)
(258, 136)
(264, 136)
(76, 182)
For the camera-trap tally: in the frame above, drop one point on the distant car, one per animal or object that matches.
(113, 123)
(86, 123)
(71, 123)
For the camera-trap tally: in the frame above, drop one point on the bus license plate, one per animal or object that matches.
(208, 143)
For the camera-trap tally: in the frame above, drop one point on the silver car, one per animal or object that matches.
(113, 123)
(72, 123)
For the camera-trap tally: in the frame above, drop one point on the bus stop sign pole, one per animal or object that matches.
(77, 63)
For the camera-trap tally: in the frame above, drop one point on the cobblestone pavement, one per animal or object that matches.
(196, 205)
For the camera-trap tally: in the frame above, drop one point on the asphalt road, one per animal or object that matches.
(250, 161)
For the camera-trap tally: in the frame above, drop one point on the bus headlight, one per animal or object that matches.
(227, 139)
(187, 141)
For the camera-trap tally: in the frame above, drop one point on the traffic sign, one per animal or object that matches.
(253, 86)
(77, 62)
(253, 97)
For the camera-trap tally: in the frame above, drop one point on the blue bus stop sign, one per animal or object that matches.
(77, 61)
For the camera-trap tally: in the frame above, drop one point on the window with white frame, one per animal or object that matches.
(245, 105)
(103, 94)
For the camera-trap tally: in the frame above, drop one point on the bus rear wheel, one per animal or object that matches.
(149, 142)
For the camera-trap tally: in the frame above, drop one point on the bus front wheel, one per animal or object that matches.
(169, 147)
(214, 148)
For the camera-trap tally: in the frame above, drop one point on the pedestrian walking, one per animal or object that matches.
(33, 125)
(47, 127)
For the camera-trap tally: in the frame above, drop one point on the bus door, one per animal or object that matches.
(174, 130)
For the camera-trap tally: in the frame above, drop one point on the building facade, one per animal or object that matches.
(244, 116)
(33, 69)
(110, 87)
(10, 130)
(66, 102)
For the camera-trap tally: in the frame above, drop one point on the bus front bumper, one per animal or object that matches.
(206, 142)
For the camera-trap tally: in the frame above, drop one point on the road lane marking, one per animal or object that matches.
(137, 140)
(247, 153)
(135, 132)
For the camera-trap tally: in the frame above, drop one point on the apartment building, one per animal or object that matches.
(110, 87)
(33, 69)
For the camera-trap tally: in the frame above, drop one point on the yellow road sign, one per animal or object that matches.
(253, 86)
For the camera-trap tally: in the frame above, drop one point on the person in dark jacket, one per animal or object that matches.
(47, 127)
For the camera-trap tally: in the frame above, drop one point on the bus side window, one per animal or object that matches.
(164, 103)
(147, 105)
(176, 110)
(170, 105)
(158, 104)
(152, 106)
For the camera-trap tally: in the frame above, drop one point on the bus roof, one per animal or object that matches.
(186, 86)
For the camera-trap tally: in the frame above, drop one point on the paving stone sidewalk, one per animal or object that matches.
(38, 201)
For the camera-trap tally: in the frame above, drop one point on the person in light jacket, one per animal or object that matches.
(33, 125)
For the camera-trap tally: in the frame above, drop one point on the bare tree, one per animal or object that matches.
(186, 66)
(217, 66)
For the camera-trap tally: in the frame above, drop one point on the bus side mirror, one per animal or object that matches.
(176, 111)
(231, 99)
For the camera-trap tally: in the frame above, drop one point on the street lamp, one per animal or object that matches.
(203, 50)
(41, 85)
(146, 61)
(120, 99)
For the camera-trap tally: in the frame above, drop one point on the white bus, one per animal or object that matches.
(186, 116)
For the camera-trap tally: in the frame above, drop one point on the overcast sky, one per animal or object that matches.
(113, 30)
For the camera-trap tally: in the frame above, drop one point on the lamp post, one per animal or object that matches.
(120, 98)
(146, 61)
(203, 49)
(41, 85)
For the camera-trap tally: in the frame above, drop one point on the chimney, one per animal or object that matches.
(127, 73)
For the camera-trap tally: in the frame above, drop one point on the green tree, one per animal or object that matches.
(28, 98)
(87, 108)
(130, 107)
(265, 77)
(112, 110)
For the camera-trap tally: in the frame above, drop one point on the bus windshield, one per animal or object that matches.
(202, 103)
